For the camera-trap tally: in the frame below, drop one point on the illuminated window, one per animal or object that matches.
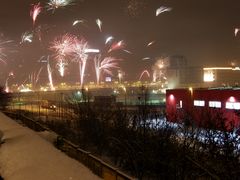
(214, 104)
(199, 103)
(179, 105)
(232, 105)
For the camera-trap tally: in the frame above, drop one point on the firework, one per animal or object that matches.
(55, 4)
(3, 49)
(159, 70)
(236, 31)
(63, 47)
(104, 65)
(144, 72)
(35, 11)
(91, 51)
(6, 83)
(150, 43)
(127, 51)
(146, 58)
(77, 22)
(116, 46)
(163, 9)
(50, 75)
(34, 77)
(27, 37)
(99, 23)
(109, 39)
(80, 48)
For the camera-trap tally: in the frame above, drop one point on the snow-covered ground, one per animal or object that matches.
(25, 155)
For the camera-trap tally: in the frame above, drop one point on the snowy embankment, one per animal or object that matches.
(24, 155)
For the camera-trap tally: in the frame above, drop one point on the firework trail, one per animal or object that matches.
(146, 58)
(236, 30)
(41, 30)
(52, 5)
(80, 49)
(163, 9)
(159, 70)
(35, 11)
(50, 76)
(34, 77)
(99, 23)
(3, 49)
(127, 51)
(77, 22)
(150, 43)
(104, 65)
(63, 47)
(109, 39)
(116, 46)
(6, 83)
(26, 37)
(144, 72)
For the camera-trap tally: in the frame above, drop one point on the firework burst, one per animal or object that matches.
(63, 47)
(104, 65)
(52, 5)
(27, 37)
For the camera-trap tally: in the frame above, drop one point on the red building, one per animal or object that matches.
(214, 107)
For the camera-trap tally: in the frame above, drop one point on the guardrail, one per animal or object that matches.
(96, 165)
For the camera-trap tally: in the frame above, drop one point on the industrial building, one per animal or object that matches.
(207, 107)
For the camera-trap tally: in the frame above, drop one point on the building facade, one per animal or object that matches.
(211, 108)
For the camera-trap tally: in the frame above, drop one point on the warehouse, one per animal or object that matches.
(207, 107)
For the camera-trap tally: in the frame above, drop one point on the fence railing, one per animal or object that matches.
(96, 165)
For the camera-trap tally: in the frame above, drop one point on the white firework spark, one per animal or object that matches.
(99, 23)
(150, 43)
(77, 22)
(109, 39)
(236, 30)
(27, 37)
(163, 9)
(146, 58)
(127, 51)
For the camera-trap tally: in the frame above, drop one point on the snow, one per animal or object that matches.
(25, 155)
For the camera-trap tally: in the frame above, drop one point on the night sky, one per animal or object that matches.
(200, 30)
